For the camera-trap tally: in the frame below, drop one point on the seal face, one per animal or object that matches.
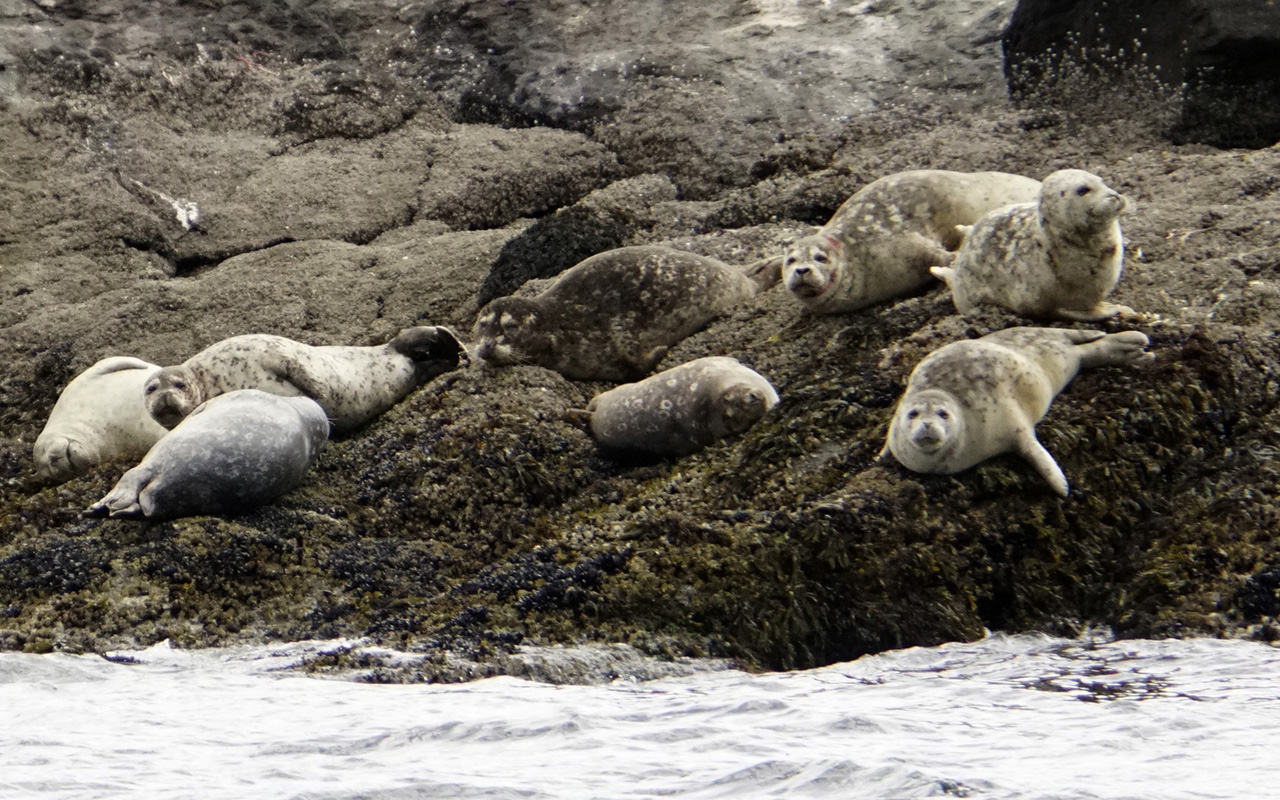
(1057, 257)
(352, 384)
(683, 409)
(614, 315)
(971, 400)
(881, 243)
(99, 416)
(233, 453)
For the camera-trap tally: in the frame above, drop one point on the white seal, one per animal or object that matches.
(352, 384)
(971, 400)
(881, 243)
(1058, 257)
(683, 409)
(99, 416)
(233, 453)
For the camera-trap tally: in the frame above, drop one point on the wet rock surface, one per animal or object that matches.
(362, 167)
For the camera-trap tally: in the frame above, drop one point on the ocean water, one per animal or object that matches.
(1006, 717)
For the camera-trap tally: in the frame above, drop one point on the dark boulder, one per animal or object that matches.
(1213, 66)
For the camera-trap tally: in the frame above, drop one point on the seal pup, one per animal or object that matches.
(352, 384)
(99, 416)
(233, 453)
(683, 409)
(613, 316)
(881, 243)
(971, 400)
(1057, 257)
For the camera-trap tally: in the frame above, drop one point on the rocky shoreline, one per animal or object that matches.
(362, 167)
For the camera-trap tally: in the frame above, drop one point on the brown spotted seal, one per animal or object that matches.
(614, 315)
(99, 416)
(971, 400)
(352, 384)
(1057, 257)
(881, 243)
(683, 409)
(233, 453)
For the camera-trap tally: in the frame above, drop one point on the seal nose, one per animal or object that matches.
(802, 271)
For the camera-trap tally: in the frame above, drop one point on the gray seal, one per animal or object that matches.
(683, 409)
(352, 384)
(1055, 258)
(881, 243)
(235, 452)
(99, 416)
(614, 315)
(971, 400)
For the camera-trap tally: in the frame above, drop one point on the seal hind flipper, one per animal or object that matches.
(943, 274)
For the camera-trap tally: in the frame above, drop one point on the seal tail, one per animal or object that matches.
(765, 273)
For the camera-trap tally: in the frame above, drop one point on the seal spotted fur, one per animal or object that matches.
(233, 453)
(352, 384)
(683, 409)
(971, 400)
(881, 243)
(614, 315)
(99, 416)
(1058, 257)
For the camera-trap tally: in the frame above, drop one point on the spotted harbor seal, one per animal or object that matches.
(971, 400)
(683, 409)
(233, 453)
(614, 315)
(352, 384)
(99, 416)
(1057, 257)
(881, 243)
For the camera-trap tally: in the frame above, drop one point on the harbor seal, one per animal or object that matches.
(971, 400)
(233, 453)
(614, 315)
(99, 416)
(352, 384)
(881, 243)
(1057, 257)
(683, 409)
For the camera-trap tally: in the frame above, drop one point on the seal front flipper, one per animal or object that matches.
(766, 273)
(1031, 449)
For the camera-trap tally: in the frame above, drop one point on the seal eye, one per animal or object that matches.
(151, 390)
(179, 385)
(944, 414)
(1082, 191)
(820, 257)
(790, 260)
(912, 414)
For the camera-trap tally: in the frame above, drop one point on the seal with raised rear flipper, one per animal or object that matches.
(613, 316)
(235, 452)
(1054, 258)
(99, 416)
(971, 400)
(881, 243)
(683, 409)
(352, 384)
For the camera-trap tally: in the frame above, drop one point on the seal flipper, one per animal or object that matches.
(943, 274)
(123, 499)
(1098, 313)
(1029, 447)
(766, 273)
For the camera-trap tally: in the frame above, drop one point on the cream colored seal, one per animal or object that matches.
(352, 384)
(613, 316)
(99, 416)
(971, 400)
(1058, 257)
(233, 453)
(881, 243)
(683, 409)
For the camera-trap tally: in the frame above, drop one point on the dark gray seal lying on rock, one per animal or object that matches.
(233, 453)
